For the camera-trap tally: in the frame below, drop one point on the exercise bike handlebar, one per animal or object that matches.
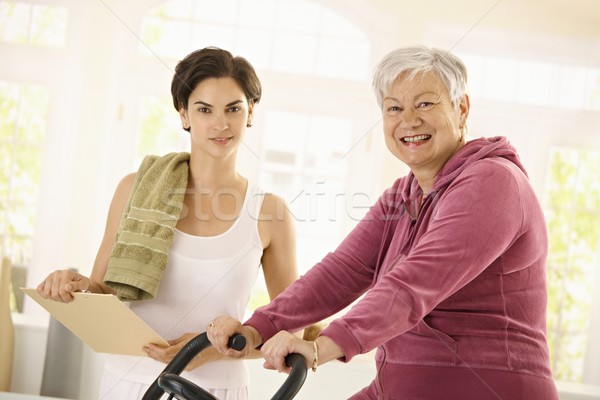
(184, 356)
(169, 378)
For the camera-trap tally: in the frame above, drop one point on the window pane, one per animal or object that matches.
(290, 139)
(318, 211)
(258, 13)
(321, 210)
(49, 26)
(26, 169)
(255, 45)
(328, 140)
(298, 16)
(343, 59)
(14, 21)
(24, 23)
(173, 9)
(534, 83)
(164, 37)
(500, 78)
(295, 53)
(8, 107)
(32, 112)
(23, 112)
(5, 174)
(277, 182)
(333, 24)
(205, 35)
(540, 83)
(570, 87)
(222, 11)
(573, 215)
(571, 352)
(475, 73)
(587, 189)
(160, 131)
(593, 93)
(280, 157)
(304, 164)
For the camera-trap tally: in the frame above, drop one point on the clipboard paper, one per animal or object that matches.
(102, 321)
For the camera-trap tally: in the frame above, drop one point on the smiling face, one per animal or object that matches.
(217, 115)
(422, 126)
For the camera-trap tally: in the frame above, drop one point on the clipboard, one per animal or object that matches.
(102, 321)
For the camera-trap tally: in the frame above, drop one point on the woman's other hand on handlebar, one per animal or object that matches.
(276, 349)
(60, 284)
(222, 328)
(166, 354)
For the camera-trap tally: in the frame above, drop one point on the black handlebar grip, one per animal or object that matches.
(237, 342)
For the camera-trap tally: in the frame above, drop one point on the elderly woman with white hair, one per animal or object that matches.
(450, 261)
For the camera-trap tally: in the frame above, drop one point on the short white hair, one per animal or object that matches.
(416, 59)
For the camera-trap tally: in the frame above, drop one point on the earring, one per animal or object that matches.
(248, 125)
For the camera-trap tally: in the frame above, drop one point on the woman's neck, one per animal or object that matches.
(426, 175)
(425, 181)
(211, 175)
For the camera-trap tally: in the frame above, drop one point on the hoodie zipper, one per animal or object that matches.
(379, 372)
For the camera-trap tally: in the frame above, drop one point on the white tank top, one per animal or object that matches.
(205, 277)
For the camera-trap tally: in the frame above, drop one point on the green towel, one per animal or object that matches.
(139, 255)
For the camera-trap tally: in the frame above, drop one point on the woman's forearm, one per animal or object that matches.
(253, 337)
(327, 350)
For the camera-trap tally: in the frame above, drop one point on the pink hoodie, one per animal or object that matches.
(454, 293)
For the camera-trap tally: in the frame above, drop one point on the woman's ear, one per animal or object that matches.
(464, 105)
(250, 111)
(185, 124)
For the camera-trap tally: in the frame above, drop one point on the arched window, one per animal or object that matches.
(287, 36)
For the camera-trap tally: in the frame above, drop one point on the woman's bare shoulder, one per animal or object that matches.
(274, 208)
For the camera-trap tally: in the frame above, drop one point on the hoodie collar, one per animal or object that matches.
(472, 151)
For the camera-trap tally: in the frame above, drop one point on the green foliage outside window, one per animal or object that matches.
(572, 201)
(23, 110)
(160, 128)
(33, 24)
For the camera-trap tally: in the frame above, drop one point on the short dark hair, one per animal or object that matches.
(212, 62)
